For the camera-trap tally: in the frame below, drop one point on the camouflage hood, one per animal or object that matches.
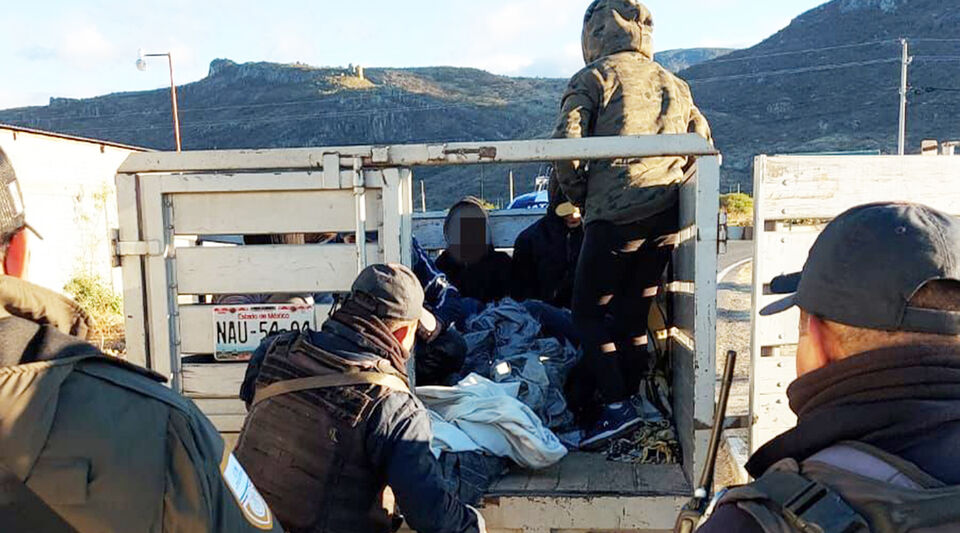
(612, 26)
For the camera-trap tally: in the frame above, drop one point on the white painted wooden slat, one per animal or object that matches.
(221, 406)
(392, 213)
(786, 250)
(134, 305)
(197, 329)
(424, 154)
(251, 182)
(802, 187)
(778, 330)
(227, 414)
(227, 423)
(406, 217)
(213, 380)
(271, 212)
(707, 208)
(506, 225)
(257, 269)
(157, 282)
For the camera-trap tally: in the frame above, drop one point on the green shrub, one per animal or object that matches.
(97, 298)
(739, 208)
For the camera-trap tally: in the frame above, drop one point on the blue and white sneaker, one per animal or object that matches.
(617, 419)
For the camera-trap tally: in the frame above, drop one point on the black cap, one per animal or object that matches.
(391, 291)
(870, 261)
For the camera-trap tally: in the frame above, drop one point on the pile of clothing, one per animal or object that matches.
(480, 415)
(504, 344)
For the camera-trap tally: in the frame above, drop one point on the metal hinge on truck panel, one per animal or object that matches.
(132, 248)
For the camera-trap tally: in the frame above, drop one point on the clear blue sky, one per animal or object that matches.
(85, 48)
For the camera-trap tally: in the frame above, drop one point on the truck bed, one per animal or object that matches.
(583, 474)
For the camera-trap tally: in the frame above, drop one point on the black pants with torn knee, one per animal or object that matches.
(618, 272)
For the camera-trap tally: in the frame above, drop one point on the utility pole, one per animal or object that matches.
(905, 61)
(423, 197)
(511, 186)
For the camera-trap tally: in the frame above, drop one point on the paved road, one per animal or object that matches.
(736, 251)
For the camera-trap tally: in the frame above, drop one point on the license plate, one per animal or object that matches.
(239, 329)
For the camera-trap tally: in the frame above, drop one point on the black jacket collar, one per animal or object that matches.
(891, 398)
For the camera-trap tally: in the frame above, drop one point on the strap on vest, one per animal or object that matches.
(329, 382)
(809, 506)
(22, 510)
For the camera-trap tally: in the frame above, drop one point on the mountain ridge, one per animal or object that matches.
(829, 81)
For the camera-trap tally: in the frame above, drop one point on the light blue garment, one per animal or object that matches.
(490, 415)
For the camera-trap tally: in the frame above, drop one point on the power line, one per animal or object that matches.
(817, 68)
(936, 58)
(804, 51)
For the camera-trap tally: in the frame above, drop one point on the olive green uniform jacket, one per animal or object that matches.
(622, 91)
(105, 444)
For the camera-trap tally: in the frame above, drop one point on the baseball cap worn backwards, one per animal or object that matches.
(869, 262)
(392, 291)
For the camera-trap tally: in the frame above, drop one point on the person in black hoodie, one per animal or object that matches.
(470, 261)
(878, 394)
(545, 254)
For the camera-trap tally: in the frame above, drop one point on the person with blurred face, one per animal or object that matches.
(470, 262)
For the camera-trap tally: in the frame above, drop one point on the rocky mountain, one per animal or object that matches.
(830, 82)
(270, 105)
(677, 60)
(827, 82)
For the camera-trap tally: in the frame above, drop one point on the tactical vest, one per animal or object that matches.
(849, 488)
(304, 446)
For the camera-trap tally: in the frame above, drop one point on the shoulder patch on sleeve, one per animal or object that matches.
(254, 507)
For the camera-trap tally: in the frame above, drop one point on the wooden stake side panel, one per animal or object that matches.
(694, 298)
(257, 180)
(269, 269)
(314, 198)
(135, 326)
(273, 212)
(795, 197)
(409, 155)
(585, 514)
(812, 187)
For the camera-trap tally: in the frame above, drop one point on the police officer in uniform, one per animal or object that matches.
(89, 443)
(332, 420)
(878, 394)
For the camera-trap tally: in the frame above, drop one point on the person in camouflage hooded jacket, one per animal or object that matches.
(622, 91)
(630, 205)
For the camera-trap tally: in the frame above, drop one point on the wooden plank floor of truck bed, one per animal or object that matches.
(590, 473)
(586, 493)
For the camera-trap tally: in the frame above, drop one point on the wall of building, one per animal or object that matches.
(69, 197)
